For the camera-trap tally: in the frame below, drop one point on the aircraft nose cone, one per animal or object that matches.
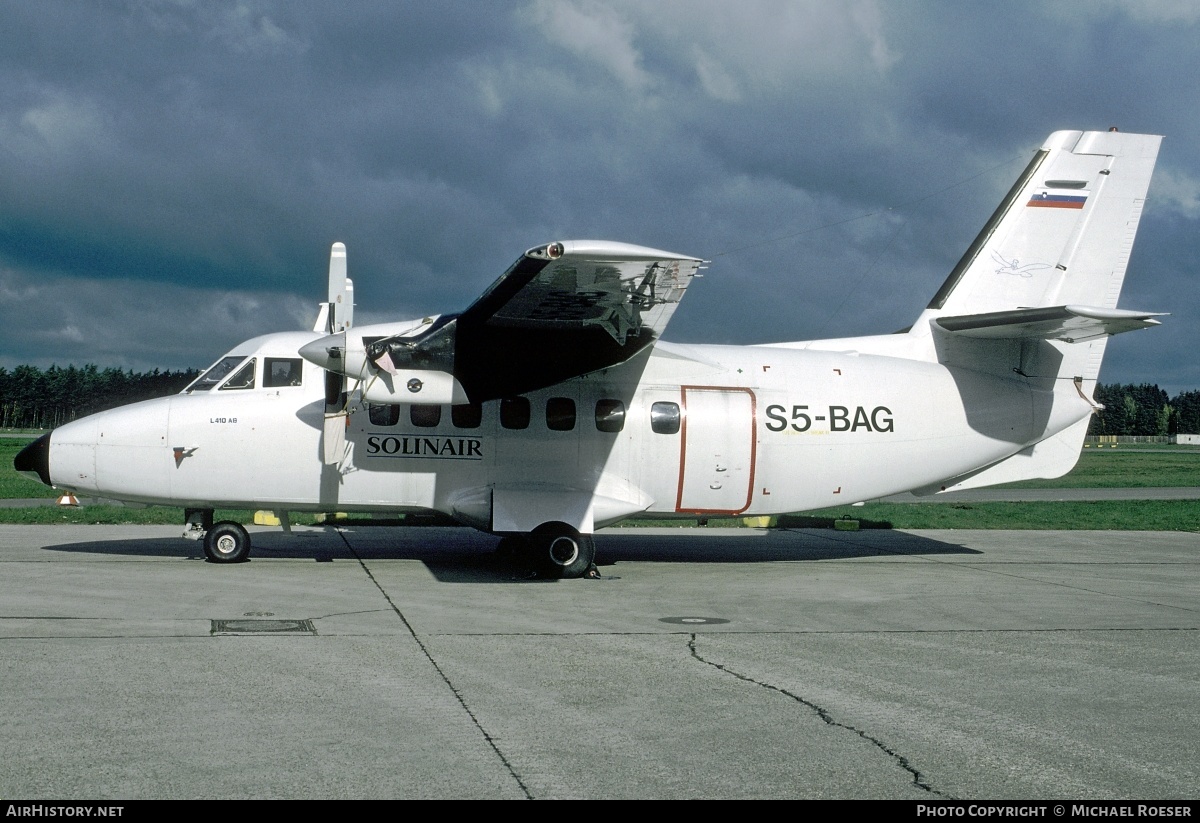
(326, 352)
(33, 461)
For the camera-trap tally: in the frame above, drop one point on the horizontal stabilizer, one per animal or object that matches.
(1070, 324)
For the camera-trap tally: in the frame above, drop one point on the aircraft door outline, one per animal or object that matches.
(718, 449)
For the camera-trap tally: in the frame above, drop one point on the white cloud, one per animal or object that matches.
(718, 82)
(15, 289)
(869, 19)
(487, 84)
(1158, 11)
(248, 32)
(1178, 190)
(240, 26)
(595, 32)
(59, 123)
(140, 325)
(770, 43)
(67, 334)
(1079, 13)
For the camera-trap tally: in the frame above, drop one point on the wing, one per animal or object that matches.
(562, 310)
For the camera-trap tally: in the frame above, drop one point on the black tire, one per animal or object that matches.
(512, 547)
(227, 542)
(560, 551)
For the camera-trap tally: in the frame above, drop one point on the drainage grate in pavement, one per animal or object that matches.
(263, 627)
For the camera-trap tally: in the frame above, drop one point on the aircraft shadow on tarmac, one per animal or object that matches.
(460, 555)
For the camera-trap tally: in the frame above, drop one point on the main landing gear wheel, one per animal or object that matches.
(227, 542)
(512, 547)
(561, 552)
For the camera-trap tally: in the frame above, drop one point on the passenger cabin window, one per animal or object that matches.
(560, 414)
(424, 415)
(514, 412)
(383, 414)
(610, 415)
(282, 371)
(665, 417)
(467, 416)
(218, 372)
(242, 379)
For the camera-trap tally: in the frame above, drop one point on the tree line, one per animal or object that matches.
(1144, 409)
(31, 398)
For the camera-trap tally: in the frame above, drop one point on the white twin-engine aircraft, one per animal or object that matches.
(549, 408)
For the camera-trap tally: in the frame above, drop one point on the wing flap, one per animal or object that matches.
(562, 310)
(617, 287)
(1071, 324)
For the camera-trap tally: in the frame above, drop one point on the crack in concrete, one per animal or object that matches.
(827, 718)
(441, 672)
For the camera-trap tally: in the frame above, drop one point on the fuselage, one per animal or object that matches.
(681, 430)
(550, 407)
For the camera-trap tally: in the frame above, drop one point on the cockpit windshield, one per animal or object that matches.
(216, 374)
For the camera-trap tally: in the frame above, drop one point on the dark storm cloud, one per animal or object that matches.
(833, 160)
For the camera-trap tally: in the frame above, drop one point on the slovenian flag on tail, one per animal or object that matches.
(1048, 200)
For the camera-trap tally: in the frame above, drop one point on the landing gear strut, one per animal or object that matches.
(196, 523)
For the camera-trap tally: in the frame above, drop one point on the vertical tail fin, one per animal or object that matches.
(1064, 232)
(1049, 264)
(1033, 301)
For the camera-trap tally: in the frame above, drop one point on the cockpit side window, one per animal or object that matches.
(242, 379)
(216, 374)
(282, 371)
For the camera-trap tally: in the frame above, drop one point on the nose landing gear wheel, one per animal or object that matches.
(561, 552)
(227, 542)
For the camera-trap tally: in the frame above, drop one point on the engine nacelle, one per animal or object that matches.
(409, 386)
(403, 372)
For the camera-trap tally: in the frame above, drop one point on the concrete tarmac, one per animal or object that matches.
(377, 662)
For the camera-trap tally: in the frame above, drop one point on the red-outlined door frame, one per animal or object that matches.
(723, 454)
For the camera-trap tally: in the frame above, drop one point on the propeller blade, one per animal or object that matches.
(337, 287)
(335, 388)
(333, 438)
